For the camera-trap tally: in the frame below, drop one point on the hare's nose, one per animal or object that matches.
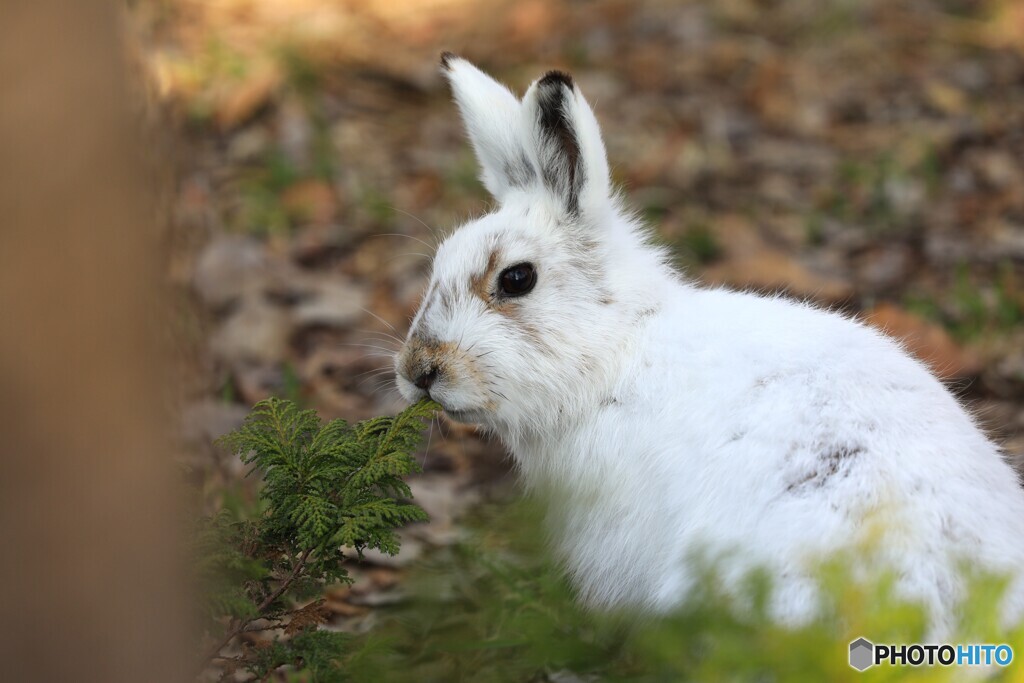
(426, 380)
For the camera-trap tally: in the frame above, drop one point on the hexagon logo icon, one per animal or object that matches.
(862, 654)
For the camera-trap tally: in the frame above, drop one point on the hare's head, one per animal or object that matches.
(527, 305)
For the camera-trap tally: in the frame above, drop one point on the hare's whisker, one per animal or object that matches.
(367, 346)
(392, 327)
(398, 234)
(407, 253)
(416, 218)
(380, 336)
(430, 435)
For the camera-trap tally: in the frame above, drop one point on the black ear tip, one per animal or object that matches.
(446, 60)
(557, 78)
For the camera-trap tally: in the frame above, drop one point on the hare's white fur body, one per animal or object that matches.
(672, 420)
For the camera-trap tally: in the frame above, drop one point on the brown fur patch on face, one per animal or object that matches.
(420, 355)
(509, 307)
(480, 283)
(452, 364)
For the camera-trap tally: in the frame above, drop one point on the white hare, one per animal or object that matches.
(672, 418)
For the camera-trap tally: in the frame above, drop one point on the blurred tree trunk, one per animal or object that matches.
(89, 576)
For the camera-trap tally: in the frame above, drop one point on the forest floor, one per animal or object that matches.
(868, 156)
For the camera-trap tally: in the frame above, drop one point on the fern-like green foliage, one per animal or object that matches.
(324, 657)
(326, 488)
(224, 568)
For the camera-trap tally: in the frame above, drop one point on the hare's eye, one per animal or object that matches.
(517, 280)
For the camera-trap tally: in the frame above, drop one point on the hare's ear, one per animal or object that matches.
(492, 115)
(565, 144)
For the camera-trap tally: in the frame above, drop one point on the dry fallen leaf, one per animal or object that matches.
(925, 340)
(772, 271)
(242, 101)
(311, 200)
(313, 614)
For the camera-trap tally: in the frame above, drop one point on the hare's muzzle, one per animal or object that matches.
(426, 379)
(422, 362)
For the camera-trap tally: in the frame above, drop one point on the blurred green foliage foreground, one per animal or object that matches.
(494, 607)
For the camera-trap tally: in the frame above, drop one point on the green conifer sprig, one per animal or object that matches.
(326, 487)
